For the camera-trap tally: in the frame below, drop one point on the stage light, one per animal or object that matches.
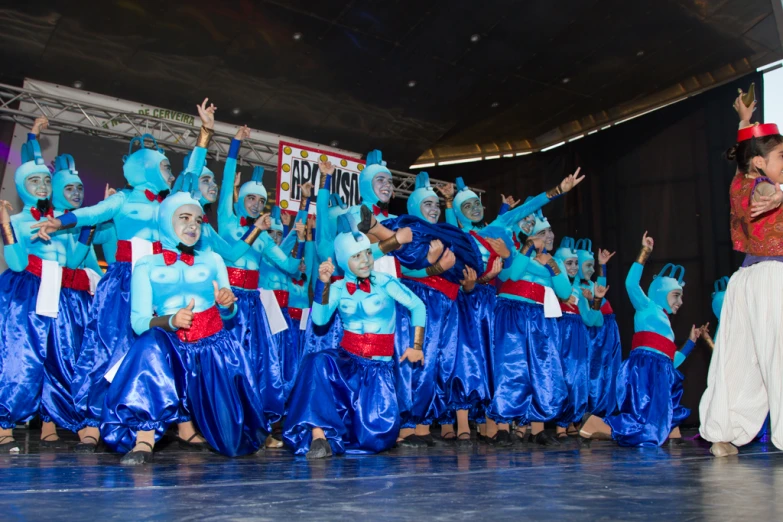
(297, 37)
(491, 157)
(412, 83)
(495, 105)
(640, 53)
(236, 111)
(475, 38)
(334, 143)
(78, 84)
(454, 162)
(422, 166)
(565, 80)
(553, 146)
(524, 153)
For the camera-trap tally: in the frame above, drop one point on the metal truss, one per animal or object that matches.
(68, 115)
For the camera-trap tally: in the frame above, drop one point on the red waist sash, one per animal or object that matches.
(447, 288)
(282, 297)
(241, 278)
(606, 309)
(568, 308)
(125, 250)
(654, 341)
(492, 254)
(204, 324)
(368, 345)
(526, 289)
(75, 279)
(295, 313)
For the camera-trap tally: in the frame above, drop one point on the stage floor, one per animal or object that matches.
(522, 483)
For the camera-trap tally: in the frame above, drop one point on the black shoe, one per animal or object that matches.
(448, 438)
(411, 442)
(193, 447)
(86, 447)
(10, 445)
(463, 440)
(319, 449)
(502, 439)
(520, 436)
(52, 444)
(136, 458)
(428, 439)
(676, 442)
(544, 439)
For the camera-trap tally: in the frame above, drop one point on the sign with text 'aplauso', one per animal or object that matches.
(297, 165)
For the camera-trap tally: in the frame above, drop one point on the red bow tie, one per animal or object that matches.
(364, 286)
(171, 257)
(205, 219)
(152, 196)
(517, 244)
(247, 222)
(377, 210)
(299, 282)
(37, 213)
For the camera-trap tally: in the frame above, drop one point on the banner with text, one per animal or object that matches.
(297, 165)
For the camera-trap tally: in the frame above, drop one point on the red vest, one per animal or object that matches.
(761, 236)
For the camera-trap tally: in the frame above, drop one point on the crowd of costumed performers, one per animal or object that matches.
(354, 330)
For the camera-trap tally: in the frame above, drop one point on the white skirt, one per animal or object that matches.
(745, 379)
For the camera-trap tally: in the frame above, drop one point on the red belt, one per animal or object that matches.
(368, 345)
(204, 324)
(125, 250)
(282, 297)
(526, 289)
(295, 313)
(654, 341)
(241, 278)
(447, 288)
(75, 279)
(606, 309)
(568, 308)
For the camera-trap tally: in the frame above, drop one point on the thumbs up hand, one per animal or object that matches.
(184, 317)
(224, 297)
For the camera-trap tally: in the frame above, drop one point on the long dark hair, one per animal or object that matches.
(744, 151)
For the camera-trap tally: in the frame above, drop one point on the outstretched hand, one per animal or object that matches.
(764, 204)
(45, 228)
(571, 181)
(207, 114)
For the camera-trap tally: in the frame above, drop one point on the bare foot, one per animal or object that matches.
(723, 449)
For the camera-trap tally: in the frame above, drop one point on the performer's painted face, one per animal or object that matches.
(473, 210)
(165, 171)
(382, 185)
(208, 187)
(526, 224)
(360, 264)
(276, 236)
(572, 266)
(430, 209)
(187, 223)
(74, 194)
(588, 268)
(675, 300)
(39, 185)
(253, 205)
(549, 238)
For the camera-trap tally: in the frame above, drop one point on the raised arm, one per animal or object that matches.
(632, 282)
(226, 199)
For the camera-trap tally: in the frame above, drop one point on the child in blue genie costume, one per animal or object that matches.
(496, 243)
(649, 387)
(344, 398)
(185, 367)
(109, 334)
(236, 221)
(605, 355)
(42, 317)
(579, 313)
(453, 379)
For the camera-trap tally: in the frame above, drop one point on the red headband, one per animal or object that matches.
(758, 130)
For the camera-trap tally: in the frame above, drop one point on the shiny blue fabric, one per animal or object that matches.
(65, 342)
(318, 338)
(606, 355)
(37, 353)
(414, 254)
(278, 368)
(574, 349)
(422, 388)
(649, 391)
(351, 398)
(108, 338)
(469, 387)
(529, 381)
(251, 329)
(164, 381)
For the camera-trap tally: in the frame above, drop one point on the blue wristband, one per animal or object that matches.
(171, 325)
(31, 136)
(318, 290)
(68, 220)
(85, 235)
(503, 209)
(233, 149)
(688, 348)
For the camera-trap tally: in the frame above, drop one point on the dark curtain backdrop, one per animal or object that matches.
(664, 172)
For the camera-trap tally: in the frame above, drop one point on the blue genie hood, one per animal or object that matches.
(349, 241)
(32, 163)
(142, 167)
(670, 278)
(422, 191)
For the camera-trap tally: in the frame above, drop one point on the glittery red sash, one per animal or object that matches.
(241, 278)
(75, 279)
(204, 324)
(568, 308)
(368, 345)
(125, 250)
(526, 289)
(606, 309)
(282, 297)
(654, 341)
(447, 288)
(295, 313)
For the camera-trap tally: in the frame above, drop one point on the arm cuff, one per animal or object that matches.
(321, 291)
(687, 348)
(644, 255)
(9, 238)
(233, 150)
(204, 137)
(554, 192)
(251, 235)
(68, 220)
(551, 265)
(418, 338)
(86, 235)
(503, 209)
(325, 182)
(389, 245)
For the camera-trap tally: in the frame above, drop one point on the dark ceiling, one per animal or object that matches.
(551, 68)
